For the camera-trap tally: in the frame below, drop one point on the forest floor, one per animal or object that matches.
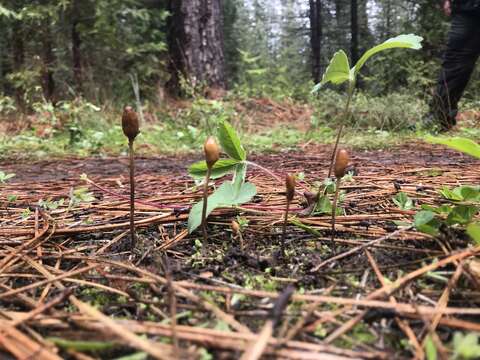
(71, 288)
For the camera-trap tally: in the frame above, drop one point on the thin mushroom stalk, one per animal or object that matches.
(212, 154)
(290, 193)
(341, 163)
(238, 232)
(131, 128)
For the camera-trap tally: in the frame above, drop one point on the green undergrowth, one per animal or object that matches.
(82, 130)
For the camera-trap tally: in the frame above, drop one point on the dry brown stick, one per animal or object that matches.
(44, 307)
(158, 351)
(21, 346)
(22, 247)
(359, 248)
(163, 218)
(419, 354)
(257, 347)
(400, 307)
(398, 284)
(443, 301)
(234, 341)
(183, 292)
(47, 281)
(172, 305)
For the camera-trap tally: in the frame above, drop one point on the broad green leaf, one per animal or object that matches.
(409, 41)
(423, 217)
(450, 194)
(426, 222)
(324, 206)
(338, 71)
(239, 177)
(403, 201)
(473, 230)
(466, 346)
(224, 196)
(444, 209)
(461, 214)
(464, 145)
(230, 141)
(470, 193)
(430, 348)
(221, 168)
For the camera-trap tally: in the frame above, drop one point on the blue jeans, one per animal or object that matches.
(463, 50)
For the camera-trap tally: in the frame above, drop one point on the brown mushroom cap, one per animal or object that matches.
(235, 227)
(212, 152)
(130, 124)
(290, 185)
(341, 163)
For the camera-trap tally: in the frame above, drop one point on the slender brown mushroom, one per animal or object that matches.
(290, 193)
(341, 163)
(130, 126)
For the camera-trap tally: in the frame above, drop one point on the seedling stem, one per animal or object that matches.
(346, 117)
(204, 209)
(132, 194)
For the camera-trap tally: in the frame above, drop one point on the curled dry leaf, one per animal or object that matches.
(130, 124)
(341, 163)
(212, 152)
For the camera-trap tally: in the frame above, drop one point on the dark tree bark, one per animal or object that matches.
(18, 51)
(76, 53)
(354, 31)
(316, 38)
(48, 58)
(196, 42)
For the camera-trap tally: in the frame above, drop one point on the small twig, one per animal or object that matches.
(37, 311)
(359, 248)
(172, 300)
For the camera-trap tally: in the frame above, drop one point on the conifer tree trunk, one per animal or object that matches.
(48, 59)
(76, 53)
(18, 50)
(196, 42)
(354, 31)
(316, 38)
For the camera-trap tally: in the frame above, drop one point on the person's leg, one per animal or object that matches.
(463, 49)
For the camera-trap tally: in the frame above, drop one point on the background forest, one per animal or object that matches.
(64, 60)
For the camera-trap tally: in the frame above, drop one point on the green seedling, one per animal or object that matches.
(230, 193)
(290, 193)
(4, 177)
(339, 71)
(464, 145)
(131, 128)
(467, 194)
(341, 163)
(212, 154)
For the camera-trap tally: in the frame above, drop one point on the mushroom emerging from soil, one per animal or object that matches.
(130, 126)
(341, 163)
(212, 154)
(237, 231)
(290, 193)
